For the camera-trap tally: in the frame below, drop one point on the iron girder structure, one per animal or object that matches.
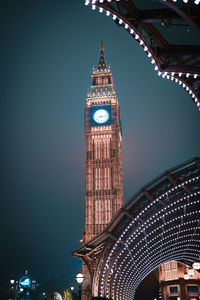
(179, 61)
(160, 223)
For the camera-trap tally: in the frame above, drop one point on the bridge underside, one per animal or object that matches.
(160, 223)
(169, 33)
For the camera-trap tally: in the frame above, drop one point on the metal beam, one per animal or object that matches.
(111, 236)
(158, 15)
(147, 194)
(172, 180)
(125, 211)
(182, 50)
(185, 15)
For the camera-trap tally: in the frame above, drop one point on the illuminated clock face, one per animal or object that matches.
(24, 281)
(101, 116)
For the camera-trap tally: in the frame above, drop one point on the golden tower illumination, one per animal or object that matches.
(103, 176)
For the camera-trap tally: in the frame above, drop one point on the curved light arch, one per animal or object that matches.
(161, 222)
(174, 75)
(127, 275)
(160, 251)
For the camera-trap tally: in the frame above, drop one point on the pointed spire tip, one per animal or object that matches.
(102, 64)
(101, 46)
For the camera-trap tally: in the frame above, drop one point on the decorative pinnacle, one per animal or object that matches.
(102, 63)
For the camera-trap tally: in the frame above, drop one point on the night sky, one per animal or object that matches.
(48, 49)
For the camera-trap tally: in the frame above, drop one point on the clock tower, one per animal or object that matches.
(103, 167)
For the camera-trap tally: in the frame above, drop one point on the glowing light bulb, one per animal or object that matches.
(186, 276)
(190, 272)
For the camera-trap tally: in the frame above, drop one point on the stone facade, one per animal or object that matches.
(103, 164)
(103, 177)
(174, 286)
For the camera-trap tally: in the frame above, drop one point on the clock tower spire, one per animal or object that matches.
(102, 63)
(103, 166)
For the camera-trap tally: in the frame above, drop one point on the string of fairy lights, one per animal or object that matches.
(151, 252)
(154, 262)
(177, 77)
(197, 2)
(142, 249)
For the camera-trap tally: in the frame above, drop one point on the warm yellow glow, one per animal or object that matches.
(190, 272)
(196, 265)
(186, 276)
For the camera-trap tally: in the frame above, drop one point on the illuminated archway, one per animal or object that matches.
(161, 222)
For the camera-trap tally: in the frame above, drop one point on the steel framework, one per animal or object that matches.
(160, 223)
(179, 61)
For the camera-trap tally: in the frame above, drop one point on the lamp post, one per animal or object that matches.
(79, 278)
(21, 293)
(72, 288)
(12, 292)
(72, 291)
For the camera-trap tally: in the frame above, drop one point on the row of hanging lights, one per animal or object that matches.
(197, 2)
(196, 265)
